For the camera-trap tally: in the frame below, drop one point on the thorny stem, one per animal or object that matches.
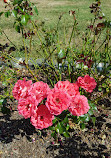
(72, 32)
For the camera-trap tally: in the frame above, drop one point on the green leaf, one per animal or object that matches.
(4, 83)
(61, 54)
(17, 28)
(90, 112)
(66, 134)
(54, 120)
(82, 125)
(65, 120)
(7, 14)
(51, 128)
(1, 13)
(60, 128)
(108, 68)
(31, 17)
(24, 19)
(99, 89)
(87, 118)
(93, 120)
(54, 135)
(14, 13)
(17, 2)
(35, 9)
(92, 105)
(67, 127)
(104, 85)
(1, 101)
(4, 101)
(84, 118)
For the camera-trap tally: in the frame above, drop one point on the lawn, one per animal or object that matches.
(49, 12)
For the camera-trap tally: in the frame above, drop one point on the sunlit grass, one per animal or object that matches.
(49, 13)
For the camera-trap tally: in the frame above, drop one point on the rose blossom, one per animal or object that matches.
(57, 101)
(88, 83)
(21, 88)
(42, 118)
(71, 89)
(27, 107)
(79, 106)
(39, 90)
(76, 88)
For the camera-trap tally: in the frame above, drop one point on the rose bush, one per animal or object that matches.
(64, 96)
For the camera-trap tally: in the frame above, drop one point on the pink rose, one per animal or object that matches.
(27, 107)
(21, 88)
(88, 83)
(70, 88)
(57, 101)
(76, 88)
(79, 106)
(39, 91)
(42, 118)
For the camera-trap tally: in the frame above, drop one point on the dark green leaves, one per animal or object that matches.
(17, 28)
(85, 118)
(1, 13)
(92, 106)
(90, 112)
(7, 14)
(82, 125)
(66, 134)
(17, 2)
(60, 127)
(24, 19)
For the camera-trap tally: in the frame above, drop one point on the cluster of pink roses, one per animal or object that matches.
(64, 96)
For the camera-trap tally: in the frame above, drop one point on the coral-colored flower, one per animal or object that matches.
(39, 90)
(79, 105)
(76, 88)
(57, 101)
(21, 88)
(27, 107)
(88, 83)
(66, 86)
(42, 117)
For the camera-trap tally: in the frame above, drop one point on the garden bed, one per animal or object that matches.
(20, 139)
